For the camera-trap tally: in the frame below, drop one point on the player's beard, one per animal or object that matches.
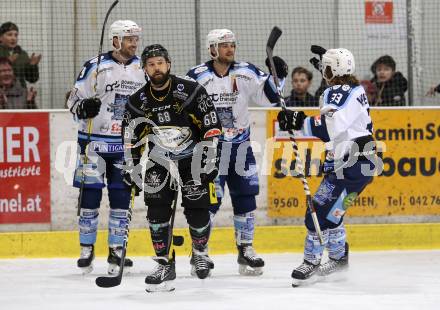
(158, 80)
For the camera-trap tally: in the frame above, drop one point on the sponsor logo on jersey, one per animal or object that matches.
(117, 108)
(324, 192)
(173, 138)
(212, 133)
(180, 87)
(200, 69)
(179, 94)
(112, 87)
(104, 147)
(317, 120)
(193, 190)
(336, 87)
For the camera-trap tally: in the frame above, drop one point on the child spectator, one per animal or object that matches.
(25, 67)
(300, 97)
(391, 85)
(12, 94)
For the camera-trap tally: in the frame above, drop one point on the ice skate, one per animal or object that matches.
(334, 265)
(161, 278)
(114, 260)
(201, 264)
(304, 274)
(249, 263)
(85, 262)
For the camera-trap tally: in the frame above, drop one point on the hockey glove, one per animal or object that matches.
(291, 120)
(88, 108)
(210, 163)
(132, 176)
(281, 67)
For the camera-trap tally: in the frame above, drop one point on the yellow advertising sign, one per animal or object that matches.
(409, 144)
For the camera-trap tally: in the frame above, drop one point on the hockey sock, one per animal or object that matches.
(244, 228)
(88, 225)
(336, 242)
(200, 236)
(313, 249)
(159, 237)
(117, 224)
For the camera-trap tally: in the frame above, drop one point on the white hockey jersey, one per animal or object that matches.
(344, 116)
(116, 82)
(231, 94)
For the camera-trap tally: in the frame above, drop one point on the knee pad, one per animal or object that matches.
(244, 225)
(91, 198)
(313, 249)
(243, 204)
(158, 213)
(119, 198)
(197, 217)
(88, 226)
(336, 242)
(117, 226)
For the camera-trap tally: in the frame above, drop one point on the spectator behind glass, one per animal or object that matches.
(391, 85)
(25, 68)
(299, 96)
(12, 94)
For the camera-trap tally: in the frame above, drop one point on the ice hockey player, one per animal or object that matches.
(179, 121)
(119, 76)
(233, 86)
(345, 125)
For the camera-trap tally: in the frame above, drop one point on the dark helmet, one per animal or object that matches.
(154, 50)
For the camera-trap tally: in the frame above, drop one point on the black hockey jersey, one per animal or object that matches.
(172, 124)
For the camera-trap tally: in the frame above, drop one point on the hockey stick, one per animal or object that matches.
(115, 281)
(90, 121)
(273, 38)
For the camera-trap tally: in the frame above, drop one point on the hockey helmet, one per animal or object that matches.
(123, 28)
(337, 62)
(154, 50)
(217, 36)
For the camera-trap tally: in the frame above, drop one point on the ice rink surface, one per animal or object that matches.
(376, 280)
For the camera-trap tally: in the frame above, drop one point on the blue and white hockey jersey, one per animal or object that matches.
(231, 94)
(116, 82)
(344, 116)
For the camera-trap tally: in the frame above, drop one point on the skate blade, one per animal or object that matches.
(332, 273)
(166, 286)
(86, 270)
(301, 283)
(246, 270)
(113, 269)
(194, 273)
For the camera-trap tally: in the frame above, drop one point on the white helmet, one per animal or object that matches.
(217, 36)
(340, 61)
(123, 28)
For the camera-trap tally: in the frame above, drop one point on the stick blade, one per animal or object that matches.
(108, 281)
(275, 34)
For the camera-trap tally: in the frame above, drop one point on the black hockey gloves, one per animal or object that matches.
(88, 108)
(318, 50)
(132, 176)
(291, 120)
(281, 67)
(210, 163)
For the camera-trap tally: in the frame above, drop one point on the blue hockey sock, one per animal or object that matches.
(336, 242)
(117, 222)
(313, 249)
(244, 228)
(88, 226)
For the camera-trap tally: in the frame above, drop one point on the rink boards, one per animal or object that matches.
(38, 203)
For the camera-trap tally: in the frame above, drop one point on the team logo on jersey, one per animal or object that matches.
(346, 87)
(153, 179)
(173, 138)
